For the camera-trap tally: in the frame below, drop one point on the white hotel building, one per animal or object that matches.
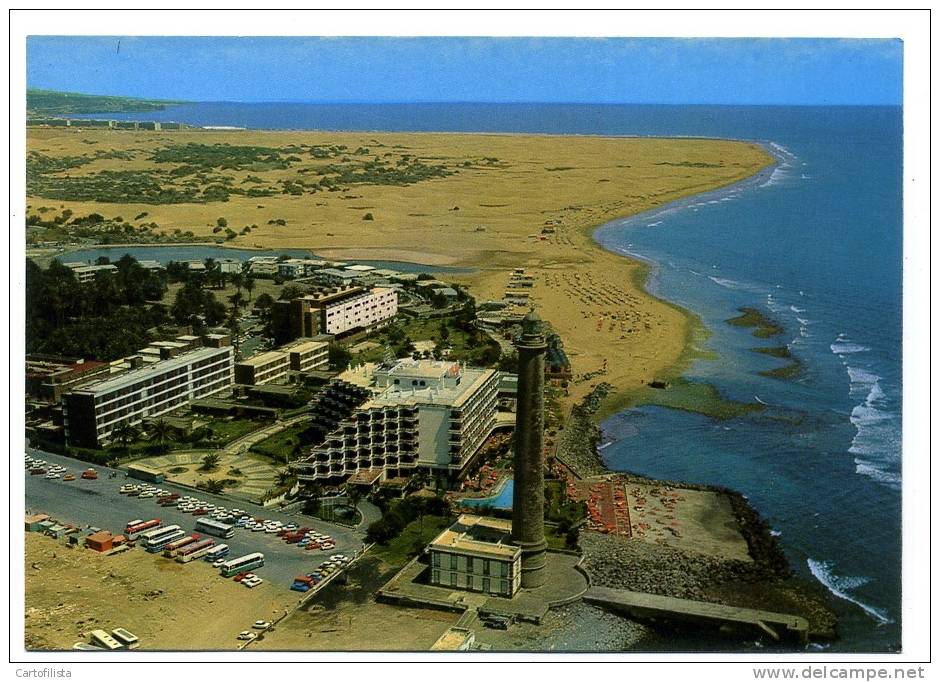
(93, 412)
(426, 414)
(353, 309)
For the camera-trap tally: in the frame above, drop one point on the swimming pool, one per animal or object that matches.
(501, 500)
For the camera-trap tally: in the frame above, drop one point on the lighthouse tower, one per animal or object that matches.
(528, 499)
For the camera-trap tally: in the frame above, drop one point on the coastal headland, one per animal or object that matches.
(489, 203)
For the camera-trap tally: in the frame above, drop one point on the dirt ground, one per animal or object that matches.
(490, 216)
(170, 606)
(346, 618)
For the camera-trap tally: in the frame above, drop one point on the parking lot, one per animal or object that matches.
(99, 503)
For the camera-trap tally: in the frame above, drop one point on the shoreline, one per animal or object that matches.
(385, 255)
(696, 329)
(769, 582)
(562, 188)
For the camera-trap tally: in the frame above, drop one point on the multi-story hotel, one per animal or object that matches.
(94, 411)
(306, 356)
(426, 414)
(266, 368)
(274, 366)
(335, 310)
(477, 554)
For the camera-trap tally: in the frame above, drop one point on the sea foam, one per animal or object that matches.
(877, 441)
(840, 586)
(841, 347)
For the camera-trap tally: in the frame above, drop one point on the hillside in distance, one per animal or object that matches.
(55, 103)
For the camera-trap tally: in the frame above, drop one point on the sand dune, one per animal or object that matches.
(490, 216)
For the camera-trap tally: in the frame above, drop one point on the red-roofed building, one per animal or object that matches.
(102, 541)
(49, 376)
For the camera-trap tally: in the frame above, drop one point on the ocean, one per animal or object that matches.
(816, 246)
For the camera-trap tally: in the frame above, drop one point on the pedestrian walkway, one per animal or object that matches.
(256, 476)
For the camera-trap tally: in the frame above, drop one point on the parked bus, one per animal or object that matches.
(171, 548)
(217, 528)
(128, 639)
(195, 550)
(146, 535)
(242, 563)
(106, 641)
(154, 540)
(216, 553)
(134, 529)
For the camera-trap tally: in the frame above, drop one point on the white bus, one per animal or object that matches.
(145, 536)
(155, 540)
(128, 639)
(217, 528)
(216, 553)
(194, 550)
(242, 563)
(106, 641)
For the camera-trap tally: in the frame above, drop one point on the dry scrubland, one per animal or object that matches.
(506, 189)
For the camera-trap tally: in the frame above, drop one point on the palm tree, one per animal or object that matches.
(125, 434)
(238, 279)
(210, 462)
(249, 285)
(163, 432)
(353, 494)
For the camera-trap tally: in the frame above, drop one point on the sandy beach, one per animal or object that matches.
(507, 201)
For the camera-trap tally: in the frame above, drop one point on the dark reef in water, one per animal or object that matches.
(763, 326)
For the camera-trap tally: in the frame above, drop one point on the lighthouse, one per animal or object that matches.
(528, 498)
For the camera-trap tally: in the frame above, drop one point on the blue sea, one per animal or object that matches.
(815, 244)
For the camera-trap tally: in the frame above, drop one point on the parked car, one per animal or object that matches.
(252, 582)
(68, 477)
(246, 635)
(261, 625)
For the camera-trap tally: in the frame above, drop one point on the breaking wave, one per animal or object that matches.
(841, 585)
(877, 442)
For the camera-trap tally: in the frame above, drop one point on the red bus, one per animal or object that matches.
(171, 548)
(134, 529)
(194, 550)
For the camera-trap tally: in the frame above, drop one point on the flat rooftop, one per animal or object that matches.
(265, 358)
(470, 380)
(304, 346)
(478, 535)
(134, 376)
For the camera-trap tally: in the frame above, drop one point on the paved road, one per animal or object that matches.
(98, 503)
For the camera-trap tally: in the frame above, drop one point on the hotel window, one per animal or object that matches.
(486, 567)
(435, 576)
(486, 584)
(452, 579)
(436, 559)
(503, 587)
(453, 562)
(503, 569)
(469, 579)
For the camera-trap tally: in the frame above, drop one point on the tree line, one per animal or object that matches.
(104, 319)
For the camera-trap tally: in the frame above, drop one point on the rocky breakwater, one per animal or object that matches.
(763, 582)
(577, 445)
